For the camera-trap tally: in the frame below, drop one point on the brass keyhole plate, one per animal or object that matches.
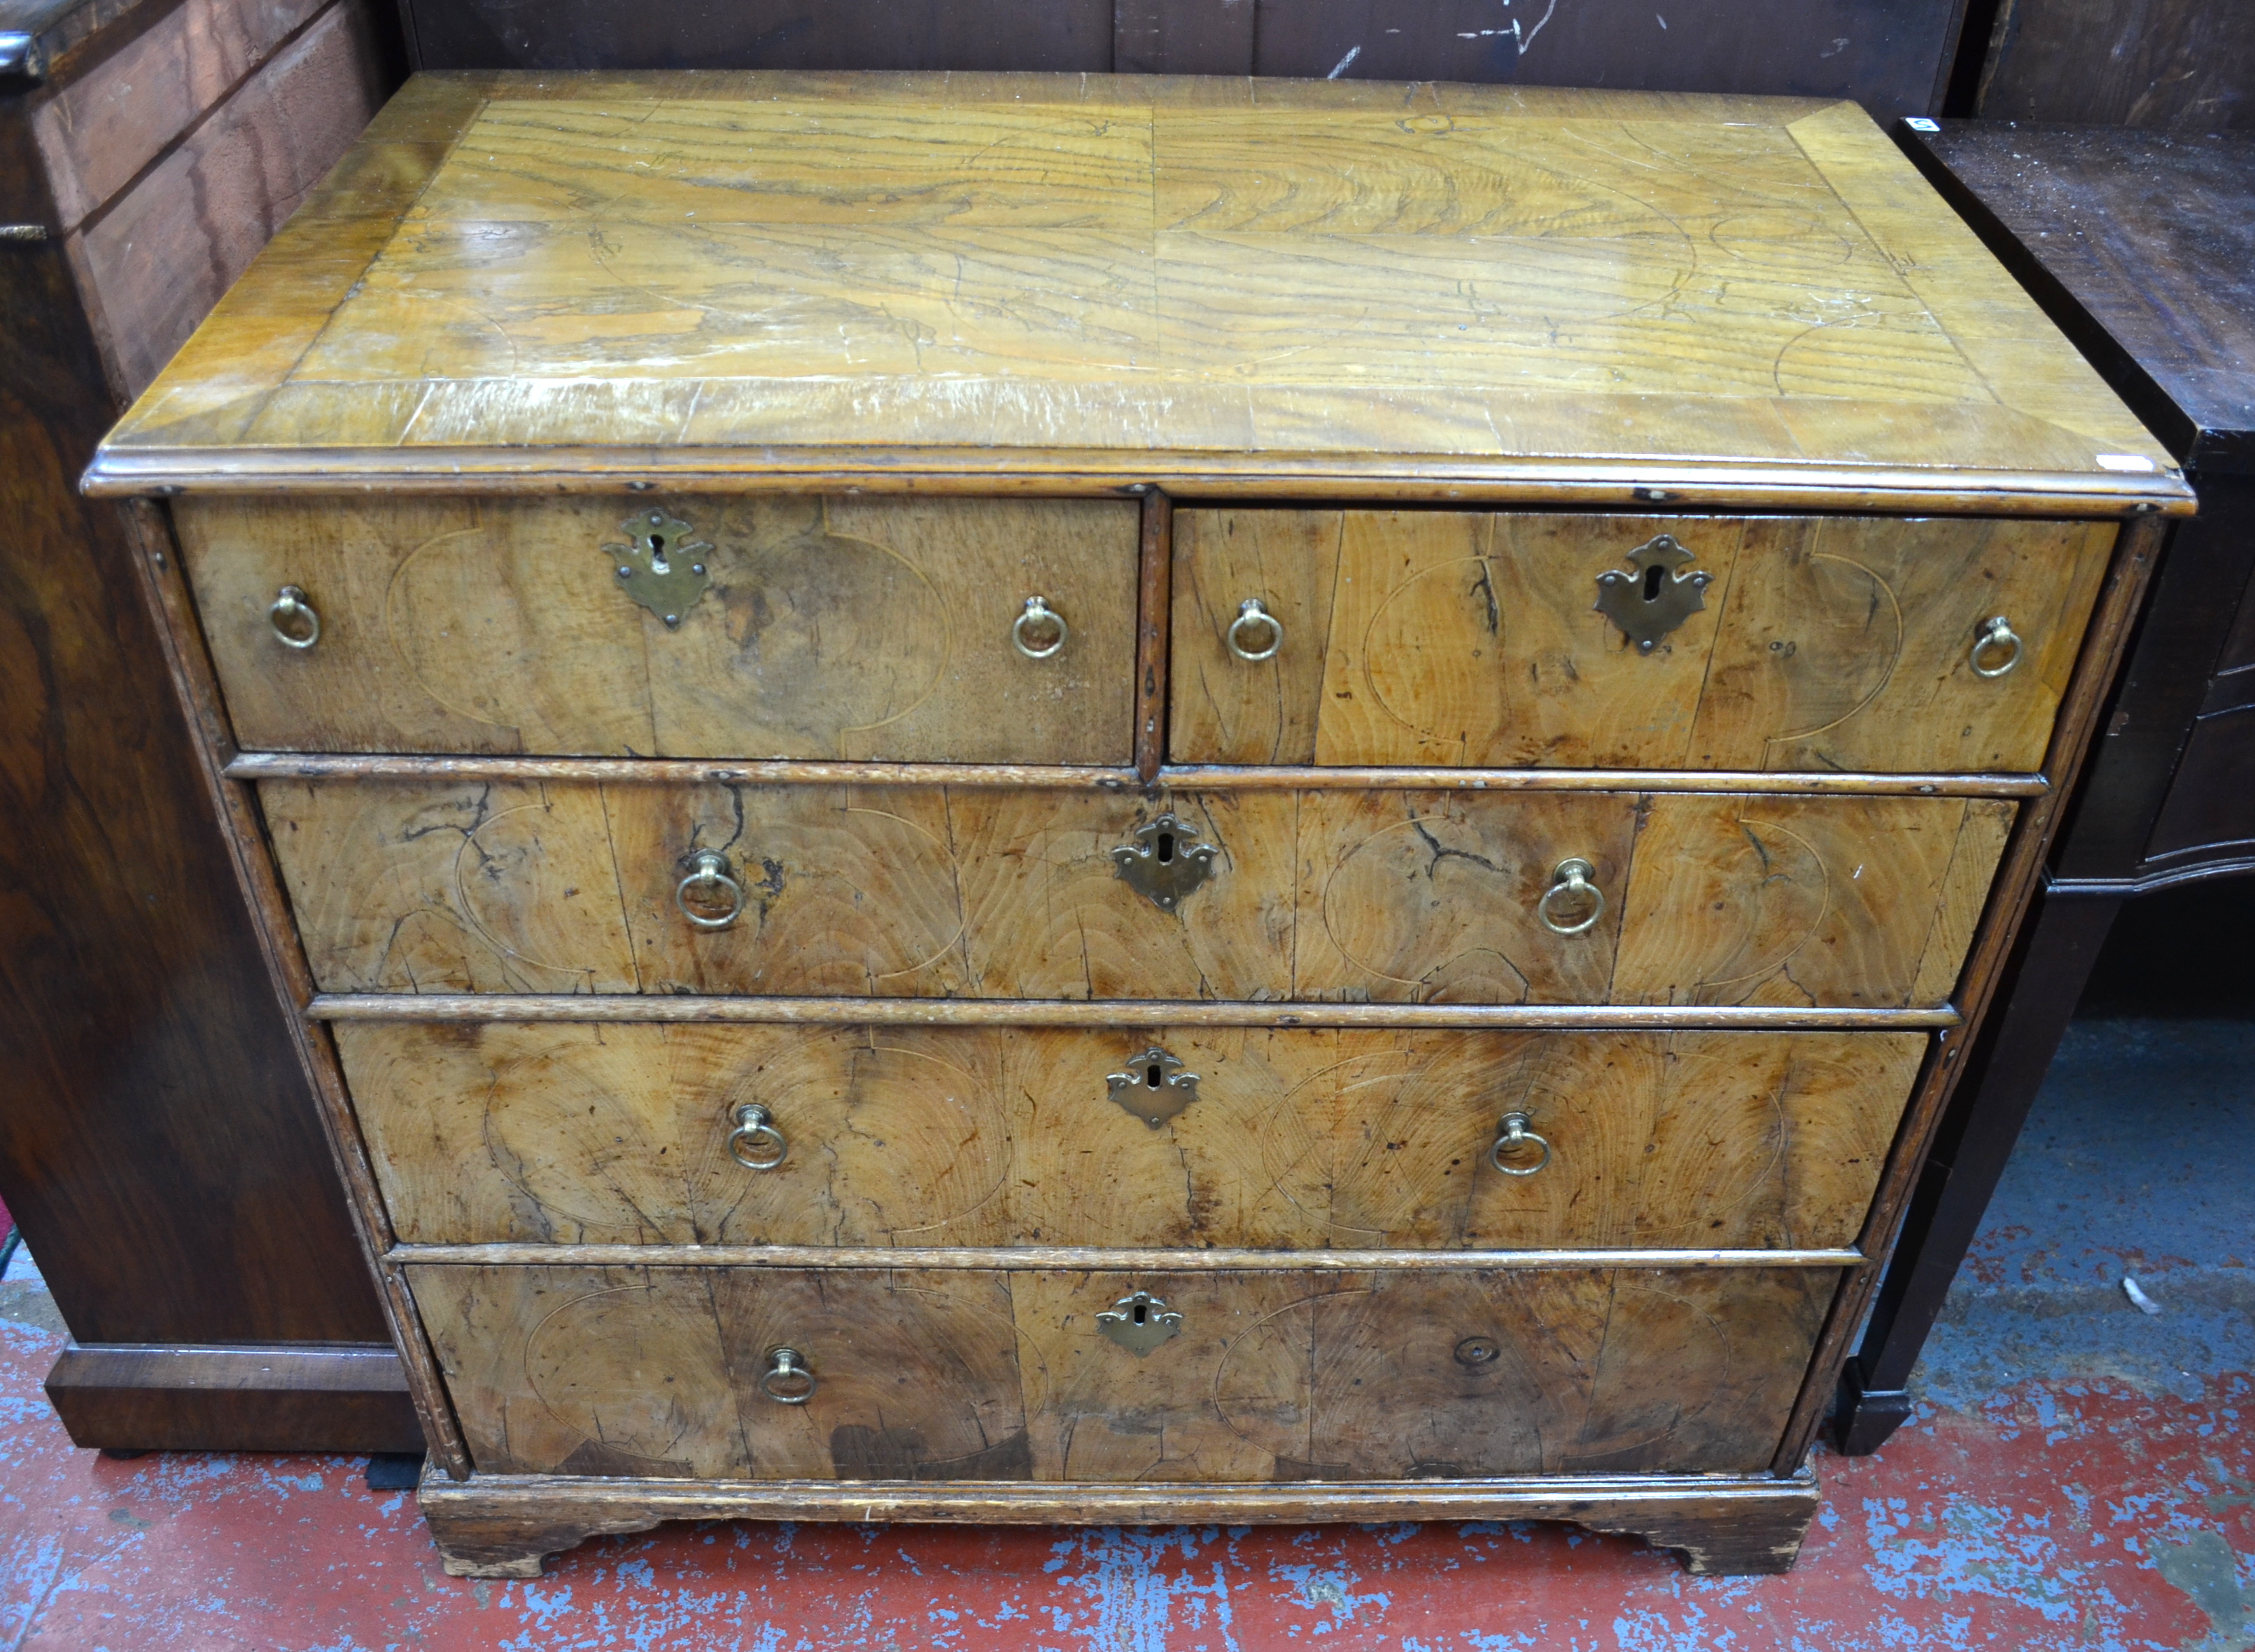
(663, 565)
(1657, 597)
(1139, 1323)
(1165, 863)
(1153, 1087)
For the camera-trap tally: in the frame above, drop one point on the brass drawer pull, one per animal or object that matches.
(1253, 615)
(297, 623)
(787, 1381)
(1042, 620)
(1996, 638)
(755, 1123)
(1513, 1135)
(708, 870)
(1571, 883)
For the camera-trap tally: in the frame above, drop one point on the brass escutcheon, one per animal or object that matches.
(1154, 1087)
(1165, 863)
(1657, 597)
(1139, 1323)
(662, 566)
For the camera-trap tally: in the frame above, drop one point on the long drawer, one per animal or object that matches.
(1268, 1375)
(1487, 639)
(1321, 896)
(703, 1134)
(792, 627)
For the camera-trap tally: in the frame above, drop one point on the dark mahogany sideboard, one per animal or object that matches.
(157, 1141)
(2141, 245)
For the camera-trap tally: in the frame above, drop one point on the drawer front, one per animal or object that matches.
(621, 1134)
(991, 1376)
(1474, 638)
(1334, 897)
(833, 628)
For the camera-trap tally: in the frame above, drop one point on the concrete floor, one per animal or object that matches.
(2080, 1474)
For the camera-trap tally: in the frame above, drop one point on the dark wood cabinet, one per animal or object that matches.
(1892, 56)
(159, 1143)
(2141, 244)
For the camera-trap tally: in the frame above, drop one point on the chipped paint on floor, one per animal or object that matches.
(2079, 1475)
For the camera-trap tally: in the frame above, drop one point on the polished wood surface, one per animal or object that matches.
(158, 1147)
(970, 1137)
(1440, 637)
(831, 628)
(740, 275)
(1315, 896)
(1179, 297)
(1006, 1376)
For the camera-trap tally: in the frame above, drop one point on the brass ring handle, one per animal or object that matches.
(1571, 879)
(1253, 612)
(291, 604)
(753, 1122)
(1039, 613)
(708, 868)
(787, 1381)
(1996, 636)
(1512, 1134)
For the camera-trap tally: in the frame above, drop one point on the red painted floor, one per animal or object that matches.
(2081, 1475)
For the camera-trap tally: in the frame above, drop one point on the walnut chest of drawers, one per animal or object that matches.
(1005, 798)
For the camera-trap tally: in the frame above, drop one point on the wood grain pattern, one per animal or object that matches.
(1136, 279)
(504, 1526)
(833, 628)
(2184, 64)
(1297, 1140)
(1318, 896)
(97, 132)
(1433, 637)
(1274, 1377)
(163, 253)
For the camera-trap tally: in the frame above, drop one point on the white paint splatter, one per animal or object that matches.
(1339, 67)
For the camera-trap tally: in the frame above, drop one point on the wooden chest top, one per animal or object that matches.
(1074, 283)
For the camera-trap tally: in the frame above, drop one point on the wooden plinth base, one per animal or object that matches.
(504, 1526)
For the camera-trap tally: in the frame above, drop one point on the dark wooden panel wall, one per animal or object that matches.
(1892, 55)
(2189, 64)
(159, 1143)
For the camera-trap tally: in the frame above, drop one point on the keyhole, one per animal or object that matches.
(657, 564)
(1151, 1075)
(1166, 846)
(1139, 1313)
(1652, 578)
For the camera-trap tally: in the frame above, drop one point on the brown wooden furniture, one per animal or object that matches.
(2184, 64)
(2142, 246)
(158, 1143)
(1073, 799)
(1892, 56)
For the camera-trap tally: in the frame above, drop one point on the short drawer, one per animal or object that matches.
(978, 1374)
(828, 628)
(696, 1133)
(1320, 896)
(1482, 639)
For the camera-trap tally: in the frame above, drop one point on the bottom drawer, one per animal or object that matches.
(1010, 1374)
